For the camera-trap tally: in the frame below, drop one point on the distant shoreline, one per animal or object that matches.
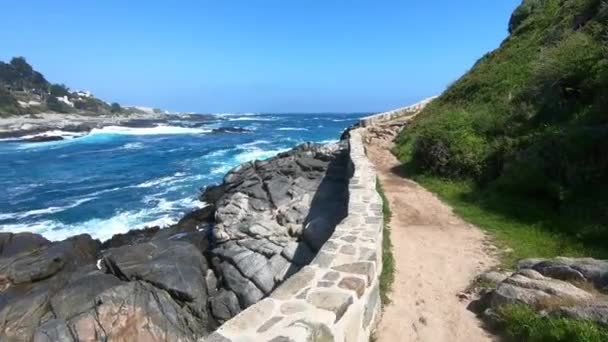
(39, 124)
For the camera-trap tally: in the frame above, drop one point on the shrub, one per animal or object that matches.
(8, 104)
(522, 13)
(115, 108)
(565, 76)
(449, 146)
(55, 105)
(59, 90)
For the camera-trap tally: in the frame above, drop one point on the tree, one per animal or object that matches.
(59, 90)
(22, 66)
(115, 108)
(55, 105)
(8, 75)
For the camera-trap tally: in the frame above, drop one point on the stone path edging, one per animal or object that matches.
(394, 114)
(336, 297)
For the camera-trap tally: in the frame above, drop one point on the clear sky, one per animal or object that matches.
(255, 55)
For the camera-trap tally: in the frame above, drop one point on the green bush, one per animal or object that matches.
(522, 13)
(8, 104)
(59, 90)
(448, 145)
(565, 77)
(56, 106)
(115, 108)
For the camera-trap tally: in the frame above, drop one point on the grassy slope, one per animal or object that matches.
(517, 146)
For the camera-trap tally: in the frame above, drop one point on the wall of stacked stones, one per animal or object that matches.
(400, 113)
(337, 296)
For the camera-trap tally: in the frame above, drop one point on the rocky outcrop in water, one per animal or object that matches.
(264, 222)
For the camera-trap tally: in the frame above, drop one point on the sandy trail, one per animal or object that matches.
(437, 256)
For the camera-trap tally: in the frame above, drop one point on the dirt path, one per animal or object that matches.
(437, 256)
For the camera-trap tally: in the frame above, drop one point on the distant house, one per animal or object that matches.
(65, 100)
(83, 93)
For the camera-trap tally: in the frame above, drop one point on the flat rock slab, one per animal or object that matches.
(331, 300)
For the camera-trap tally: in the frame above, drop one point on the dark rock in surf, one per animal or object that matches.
(230, 130)
(43, 138)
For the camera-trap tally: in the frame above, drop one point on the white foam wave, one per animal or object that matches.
(168, 180)
(251, 118)
(256, 153)
(42, 211)
(55, 133)
(291, 129)
(216, 154)
(255, 143)
(97, 228)
(328, 141)
(133, 146)
(234, 114)
(158, 130)
(164, 213)
(220, 170)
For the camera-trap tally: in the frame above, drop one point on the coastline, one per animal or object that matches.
(52, 124)
(279, 200)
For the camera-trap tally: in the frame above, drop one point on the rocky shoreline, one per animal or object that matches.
(49, 126)
(265, 221)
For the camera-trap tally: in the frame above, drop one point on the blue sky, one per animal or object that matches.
(255, 55)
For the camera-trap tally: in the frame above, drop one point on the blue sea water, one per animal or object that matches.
(117, 178)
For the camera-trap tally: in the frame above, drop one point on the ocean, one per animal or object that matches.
(119, 178)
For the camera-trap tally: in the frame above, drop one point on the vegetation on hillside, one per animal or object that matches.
(522, 137)
(24, 90)
(518, 146)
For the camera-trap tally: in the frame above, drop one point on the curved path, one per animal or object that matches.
(437, 256)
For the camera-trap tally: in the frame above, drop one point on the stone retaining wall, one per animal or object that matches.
(395, 113)
(337, 296)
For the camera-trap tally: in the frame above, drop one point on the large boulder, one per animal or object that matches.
(564, 287)
(46, 261)
(76, 297)
(532, 288)
(152, 291)
(177, 267)
(20, 316)
(11, 244)
(135, 311)
(571, 269)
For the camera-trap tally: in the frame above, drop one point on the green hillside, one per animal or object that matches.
(20, 82)
(523, 136)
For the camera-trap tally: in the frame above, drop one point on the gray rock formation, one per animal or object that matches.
(11, 244)
(263, 223)
(564, 287)
(272, 216)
